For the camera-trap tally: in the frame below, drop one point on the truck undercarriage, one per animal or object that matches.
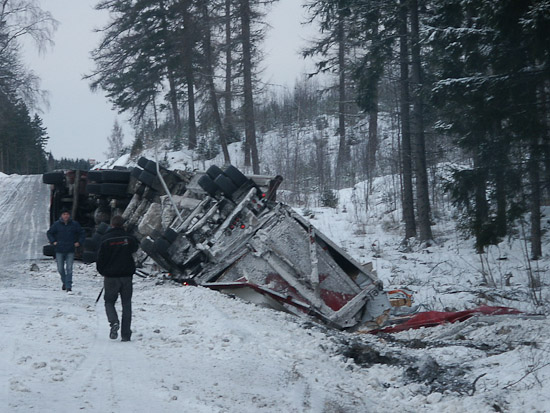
(224, 230)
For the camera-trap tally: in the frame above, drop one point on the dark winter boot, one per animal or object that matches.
(63, 287)
(113, 335)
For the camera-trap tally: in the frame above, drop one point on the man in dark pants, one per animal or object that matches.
(66, 235)
(116, 263)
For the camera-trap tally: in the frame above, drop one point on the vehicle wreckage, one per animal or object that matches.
(226, 231)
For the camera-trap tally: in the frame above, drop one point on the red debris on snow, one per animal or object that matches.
(434, 318)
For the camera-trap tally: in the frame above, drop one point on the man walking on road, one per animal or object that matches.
(66, 235)
(116, 263)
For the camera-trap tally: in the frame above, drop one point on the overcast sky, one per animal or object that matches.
(79, 121)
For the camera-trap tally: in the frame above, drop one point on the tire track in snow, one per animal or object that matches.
(107, 367)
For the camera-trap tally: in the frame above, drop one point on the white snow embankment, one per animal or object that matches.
(24, 212)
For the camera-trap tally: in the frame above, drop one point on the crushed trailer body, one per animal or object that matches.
(225, 230)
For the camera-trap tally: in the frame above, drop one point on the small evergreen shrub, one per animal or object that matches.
(329, 199)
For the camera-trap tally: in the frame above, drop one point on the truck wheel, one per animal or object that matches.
(136, 172)
(91, 244)
(48, 250)
(89, 256)
(94, 176)
(147, 178)
(206, 183)
(226, 185)
(94, 189)
(53, 178)
(213, 172)
(170, 235)
(151, 167)
(114, 189)
(236, 176)
(142, 161)
(148, 246)
(140, 189)
(161, 246)
(150, 195)
(115, 176)
(102, 228)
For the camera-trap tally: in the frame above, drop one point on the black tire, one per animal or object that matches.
(94, 176)
(213, 172)
(89, 257)
(140, 189)
(142, 161)
(161, 246)
(136, 172)
(155, 234)
(53, 178)
(151, 167)
(238, 178)
(94, 189)
(147, 178)
(48, 250)
(92, 243)
(226, 185)
(97, 239)
(121, 203)
(170, 235)
(102, 228)
(114, 189)
(148, 246)
(150, 195)
(121, 177)
(206, 183)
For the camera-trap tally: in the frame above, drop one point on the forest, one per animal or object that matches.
(458, 81)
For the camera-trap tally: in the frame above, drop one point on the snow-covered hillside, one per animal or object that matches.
(200, 351)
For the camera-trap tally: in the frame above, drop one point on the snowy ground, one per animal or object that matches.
(195, 350)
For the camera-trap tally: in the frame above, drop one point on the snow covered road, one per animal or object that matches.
(193, 350)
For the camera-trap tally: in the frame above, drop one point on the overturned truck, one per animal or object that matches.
(226, 231)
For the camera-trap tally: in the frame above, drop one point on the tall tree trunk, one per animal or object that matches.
(534, 178)
(406, 155)
(544, 109)
(228, 94)
(342, 159)
(417, 128)
(188, 42)
(481, 213)
(249, 121)
(173, 96)
(500, 190)
(372, 145)
(539, 119)
(500, 167)
(207, 48)
(174, 102)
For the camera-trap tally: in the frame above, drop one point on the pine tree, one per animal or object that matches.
(332, 49)
(493, 67)
(115, 141)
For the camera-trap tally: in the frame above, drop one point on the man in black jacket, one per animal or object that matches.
(116, 263)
